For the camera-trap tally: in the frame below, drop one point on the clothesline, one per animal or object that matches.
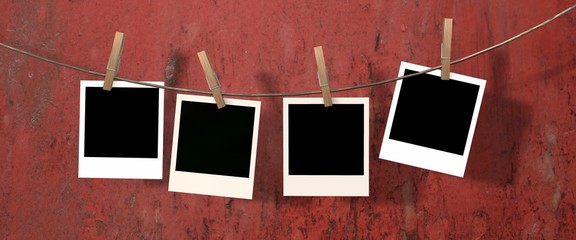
(295, 93)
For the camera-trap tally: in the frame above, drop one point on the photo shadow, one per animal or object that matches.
(501, 128)
(269, 167)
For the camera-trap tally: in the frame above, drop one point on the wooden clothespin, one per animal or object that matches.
(212, 79)
(114, 61)
(323, 76)
(445, 49)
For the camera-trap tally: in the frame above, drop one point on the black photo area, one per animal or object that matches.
(434, 113)
(326, 140)
(121, 123)
(215, 141)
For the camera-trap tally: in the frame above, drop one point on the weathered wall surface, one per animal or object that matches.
(519, 183)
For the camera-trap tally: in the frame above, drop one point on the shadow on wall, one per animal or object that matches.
(501, 128)
(268, 172)
(175, 73)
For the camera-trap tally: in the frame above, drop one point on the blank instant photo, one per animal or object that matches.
(121, 131)
(326, 148)
(432, 121)
(214, 150)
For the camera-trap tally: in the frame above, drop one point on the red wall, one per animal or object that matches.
(520, 175)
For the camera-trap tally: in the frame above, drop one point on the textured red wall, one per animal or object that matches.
(521, 173)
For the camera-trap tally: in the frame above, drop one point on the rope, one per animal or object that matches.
(296, 93)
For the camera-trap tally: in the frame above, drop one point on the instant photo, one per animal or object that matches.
(431, 121)
(326, 148)
(214, 150)
(121, 131)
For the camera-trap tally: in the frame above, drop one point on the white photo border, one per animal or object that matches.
(119, 167)
(326, 185)
(212, 184)
(423, 157)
